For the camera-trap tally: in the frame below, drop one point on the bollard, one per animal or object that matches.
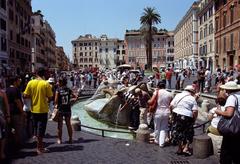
(202, 146)
(205, 105)
(143, 133)
(76, 123)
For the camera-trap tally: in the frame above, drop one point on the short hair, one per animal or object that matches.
(62, 81)
(41, 72)
(161, 85)
(13, 79)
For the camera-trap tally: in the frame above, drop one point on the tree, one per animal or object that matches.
(149, 18)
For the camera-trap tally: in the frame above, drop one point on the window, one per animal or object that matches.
(210, 45)
(232, 14)
(89, 44)
(201, 34)
(224, 19)
(3, 44)
(90, 53)
(205, 31)
(210, 11)
(210, 28)
(106, 50)
(85, 53)
(10, 14)
(3, 4)
(123, 52)
(224, 44)
(231, 41)
(81, 54)
(11, 35)
(85, 44)
(216, 24)
(100, 50)
(3, 25)
(80, 44)
(95, 54)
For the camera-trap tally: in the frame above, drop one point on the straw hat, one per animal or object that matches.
(189, 88)
(231, 85)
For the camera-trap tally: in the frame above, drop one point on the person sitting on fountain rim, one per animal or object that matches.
(143, 98)
(132, 102)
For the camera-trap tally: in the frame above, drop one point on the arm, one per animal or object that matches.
(227, 113)
(56, 98)
(19, 105)
(7, 110)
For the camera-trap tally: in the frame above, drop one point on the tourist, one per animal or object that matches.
(16, 109)
(181, 79)
(163, 76)
(208, 79)
(162, 112)
(220, 101)
(157, 77)
(4, 120)
(201, 78)
(51, 81)
(169, 78)
(230, 144)
(185, 111)
(143, 98)
(62, 100)
(40, 92)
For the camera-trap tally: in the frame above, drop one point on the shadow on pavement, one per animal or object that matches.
(65, 148)
(81, 140)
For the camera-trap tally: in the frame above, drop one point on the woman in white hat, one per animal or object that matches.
(185, 111)
(230, 144)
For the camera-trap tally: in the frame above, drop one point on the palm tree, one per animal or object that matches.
(149, 18)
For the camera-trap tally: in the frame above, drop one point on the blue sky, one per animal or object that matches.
(71, 18)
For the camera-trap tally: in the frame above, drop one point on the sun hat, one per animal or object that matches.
(51, 80)
(190, 88)
(231, 85)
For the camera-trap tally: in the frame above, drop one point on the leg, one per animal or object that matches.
(59, 131)
(69, 127)
(2, 146)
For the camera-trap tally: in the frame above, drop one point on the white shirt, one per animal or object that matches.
(216, 118)
(232, 101)
(164, 99)
(184, 106)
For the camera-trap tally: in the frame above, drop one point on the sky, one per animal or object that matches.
(72, 18)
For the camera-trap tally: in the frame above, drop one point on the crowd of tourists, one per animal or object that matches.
(26, 101)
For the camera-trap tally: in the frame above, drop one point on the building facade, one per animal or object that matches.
(121, 52)
(3, 34)
(206, 42)
(107, 52)
(186, 40)
(50, 45)
(136, 48)
(227, 32)
(86, 51)
(169, 45)
(38, 47)
(19, 35)
(62, 61)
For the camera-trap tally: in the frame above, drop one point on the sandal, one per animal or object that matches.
(187, 153)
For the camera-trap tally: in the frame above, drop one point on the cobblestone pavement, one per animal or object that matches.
(88, 148)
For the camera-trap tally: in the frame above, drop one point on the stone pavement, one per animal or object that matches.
(88, 148)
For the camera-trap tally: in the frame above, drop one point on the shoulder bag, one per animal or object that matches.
(55, 114)
(230, 126)
(153, 106)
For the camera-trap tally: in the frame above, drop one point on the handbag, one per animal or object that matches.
(153, 106)
(230, 126)
(55, 114)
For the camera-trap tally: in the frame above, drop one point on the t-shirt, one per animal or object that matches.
(39, 91)
(168, 75)
(164, 99)
(216, 118)
(13, 94)
(184, 106)
(232, 101)
(64, 96)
